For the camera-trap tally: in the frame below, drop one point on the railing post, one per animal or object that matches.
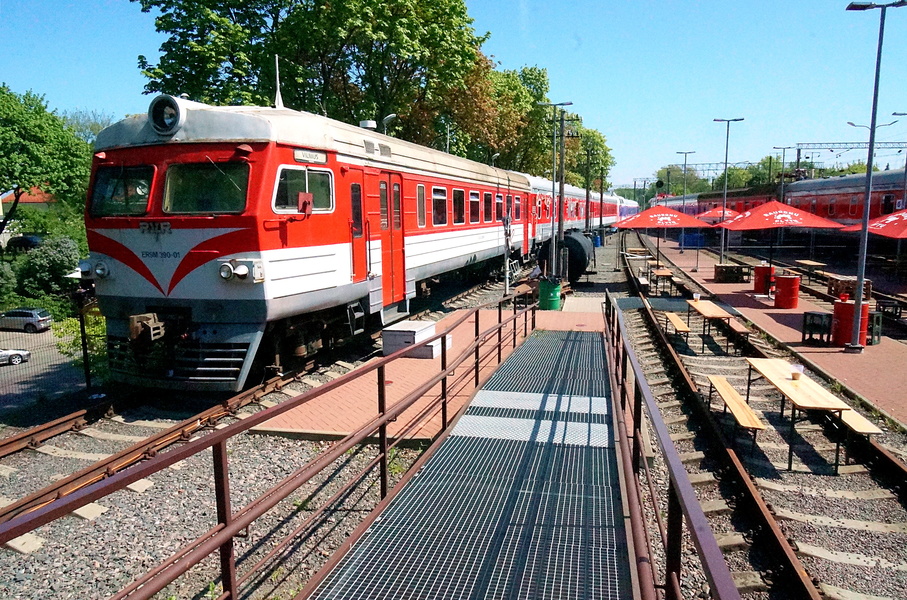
(444, 383)
(500, 333)
(674, 548)
(382, 429)
(514, 323)
(477, 350)
(637, 427)
(224, 516)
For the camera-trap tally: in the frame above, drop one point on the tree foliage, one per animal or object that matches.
(420, 60)
(87, 124)
(43, 271)
(37, 150)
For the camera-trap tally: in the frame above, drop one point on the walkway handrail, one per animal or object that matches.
(682, 501)
(232, 523)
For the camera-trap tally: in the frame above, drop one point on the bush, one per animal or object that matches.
(43, 271)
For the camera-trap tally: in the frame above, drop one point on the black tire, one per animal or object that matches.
(15, 359)
(30, 328)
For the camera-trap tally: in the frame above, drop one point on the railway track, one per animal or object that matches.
(786, 534)
(90, 444)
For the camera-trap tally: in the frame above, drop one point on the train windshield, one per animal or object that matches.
(121, 191)
(206, 188)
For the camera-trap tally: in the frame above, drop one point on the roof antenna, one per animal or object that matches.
(278, 101)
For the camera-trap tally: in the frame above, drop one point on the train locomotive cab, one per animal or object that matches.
(202, 247)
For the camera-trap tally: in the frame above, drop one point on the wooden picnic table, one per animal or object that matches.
(659, 275)
(709, 312)
(804, 394)
(811, 267)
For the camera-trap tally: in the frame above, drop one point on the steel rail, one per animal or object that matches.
(115, 463)
(230, 524)
(802, 585)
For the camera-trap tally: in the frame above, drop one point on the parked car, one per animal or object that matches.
(23, 243)
(13, 357)
(27, 319)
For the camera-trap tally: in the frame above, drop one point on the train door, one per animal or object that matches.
(393, 269)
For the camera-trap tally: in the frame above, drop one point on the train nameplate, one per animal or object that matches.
(310, 156)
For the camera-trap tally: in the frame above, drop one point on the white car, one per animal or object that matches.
(13, 357)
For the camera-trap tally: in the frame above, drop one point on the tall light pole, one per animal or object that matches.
(727, 141)
(782, 149)
(589, 154)
(904, 198)
(387, 120)
(554, 204)
(854, 347)
(683, 200)
(494, 157)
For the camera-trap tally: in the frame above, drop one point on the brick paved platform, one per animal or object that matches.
(878, 374)
(343, 410)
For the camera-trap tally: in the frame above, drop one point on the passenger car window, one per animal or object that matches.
(292, 181)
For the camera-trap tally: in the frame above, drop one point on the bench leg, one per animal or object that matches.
(753, 445)
(790, 448)
(838, 445)
(749, 382)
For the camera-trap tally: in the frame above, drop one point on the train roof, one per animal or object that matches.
(540, 185)
(892, 178)
(202, 123)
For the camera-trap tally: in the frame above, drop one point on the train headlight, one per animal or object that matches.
(226, 271)
(166, 115)
(242, 269)
(101, 269)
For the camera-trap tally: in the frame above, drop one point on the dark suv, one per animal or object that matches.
(29, 320)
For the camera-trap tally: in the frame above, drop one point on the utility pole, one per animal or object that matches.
(588, 190)
(601, 197)
(561, 211)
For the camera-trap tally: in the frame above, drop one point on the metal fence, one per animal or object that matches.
(48, 364)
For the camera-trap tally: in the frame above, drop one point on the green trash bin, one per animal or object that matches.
(549, 294)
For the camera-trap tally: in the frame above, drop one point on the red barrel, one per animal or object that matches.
(842, 323)
(762, 275)
(787, 291)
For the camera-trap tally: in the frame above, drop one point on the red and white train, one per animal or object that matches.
(223, 238)
(838, 198)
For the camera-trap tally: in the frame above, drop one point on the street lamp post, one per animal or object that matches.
(782, 149)
(727, 141)
(904, 198)
(554, 204)
(683, 199)
(494, 157)
(387, 120)
(855, 347)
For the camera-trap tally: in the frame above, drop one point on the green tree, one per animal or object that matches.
(43, 271)
(86, 124)
(37, 150)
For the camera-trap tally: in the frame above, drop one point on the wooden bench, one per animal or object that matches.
(742, 331)
(680, 327)
(643, 284)
(679, 285)
(856, 423)
(733, 401)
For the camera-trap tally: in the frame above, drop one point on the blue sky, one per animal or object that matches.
(651, 75)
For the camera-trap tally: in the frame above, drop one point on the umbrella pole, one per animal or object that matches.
(771, 249)
(698, 246)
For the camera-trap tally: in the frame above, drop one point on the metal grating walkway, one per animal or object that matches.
(521, 501)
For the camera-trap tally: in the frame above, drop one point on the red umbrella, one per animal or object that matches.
(774, 215)
(718, 213)
(660, 217)
(892, 226)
